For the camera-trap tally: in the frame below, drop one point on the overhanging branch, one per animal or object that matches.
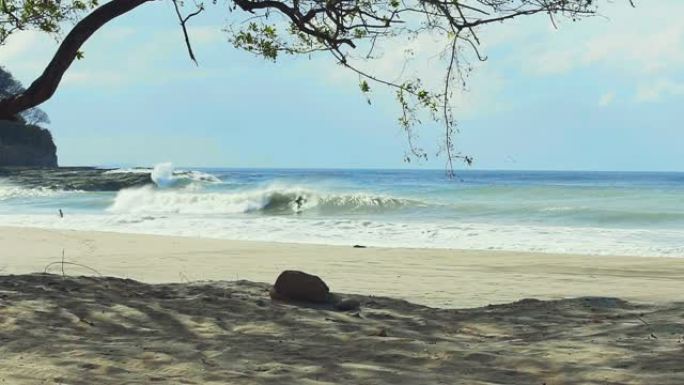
(183, 22)
(46, 84)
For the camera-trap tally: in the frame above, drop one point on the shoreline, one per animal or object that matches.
(112, 230)
(445, 278)
(318, 244)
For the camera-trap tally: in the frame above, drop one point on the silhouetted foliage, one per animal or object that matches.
(350, 30)
(26, 135)
(10, 86)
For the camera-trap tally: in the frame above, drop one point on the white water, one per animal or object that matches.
(474, 236)
(559, 213)
(273, 197)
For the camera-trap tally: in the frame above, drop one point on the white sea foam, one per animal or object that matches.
(185, 201)
(549, 239)
(166, 175)
(162, 174)
(374, 209)
(276, 199)
(8, 191)
(197, 176)
(136, 170)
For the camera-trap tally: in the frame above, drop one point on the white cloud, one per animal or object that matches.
(94, 78)
(399, 59)
(606, 99)
(657, 50)
(631, 53)
(646, 40)
(116, 57)
(656, 91)
(26, 54)
(117, 33)
(553, 63)
(209, 34)
(629, 46)
(20, 44)
(644, 45)
(640, 48)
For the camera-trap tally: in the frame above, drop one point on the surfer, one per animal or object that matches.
(61, 214)
(299, 202)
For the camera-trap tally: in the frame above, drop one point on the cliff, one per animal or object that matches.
(26, 145)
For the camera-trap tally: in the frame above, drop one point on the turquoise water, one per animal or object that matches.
(578, 212)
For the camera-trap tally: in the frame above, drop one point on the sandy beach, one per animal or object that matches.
(431, 277)
(455, 317)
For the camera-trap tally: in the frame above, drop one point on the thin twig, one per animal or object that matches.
(72, 264)
(183, 21)
(63, 264)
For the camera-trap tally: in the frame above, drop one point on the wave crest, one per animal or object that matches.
(165, 175)
(8, 192)
(268, 200)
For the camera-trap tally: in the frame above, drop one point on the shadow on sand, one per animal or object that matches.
(89, 330)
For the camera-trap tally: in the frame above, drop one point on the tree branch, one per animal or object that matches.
(183, 22)
(46, 85)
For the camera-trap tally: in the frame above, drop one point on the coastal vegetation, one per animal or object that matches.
(351, 31)
(22, 141)
(10, 86)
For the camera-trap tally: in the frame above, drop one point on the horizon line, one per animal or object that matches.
(456, 170)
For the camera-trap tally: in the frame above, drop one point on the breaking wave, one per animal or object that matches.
(8, 192)
(626, 214)
(268, 200)
(165, 175)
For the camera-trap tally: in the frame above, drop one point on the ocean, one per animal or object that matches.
(598, 213)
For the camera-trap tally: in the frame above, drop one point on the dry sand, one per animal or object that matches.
(438, 278)
(106, 330)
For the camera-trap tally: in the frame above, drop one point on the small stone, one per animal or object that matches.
(300, 286)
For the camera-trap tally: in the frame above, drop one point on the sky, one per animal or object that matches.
(599, 94)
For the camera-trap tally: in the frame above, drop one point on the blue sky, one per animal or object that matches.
(601, 94)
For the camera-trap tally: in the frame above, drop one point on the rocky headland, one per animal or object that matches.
(26, 145)
(73, 178)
